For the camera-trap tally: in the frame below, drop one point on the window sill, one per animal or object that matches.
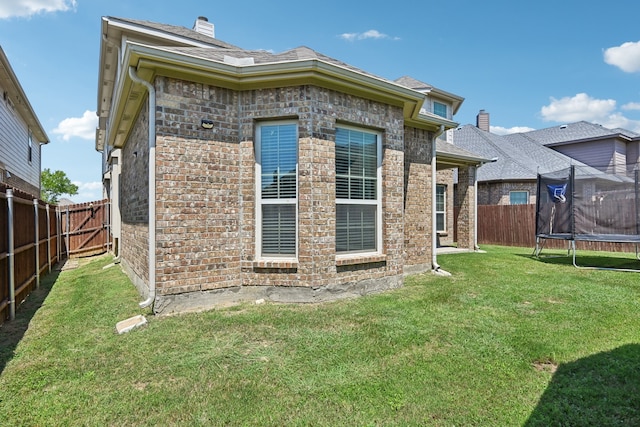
(276, 263)
(359, 259)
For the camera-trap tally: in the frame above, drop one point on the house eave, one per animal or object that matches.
(458, 160)
(150, 61)
(456, 100)
(14, 92)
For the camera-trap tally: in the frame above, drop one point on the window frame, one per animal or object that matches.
(442, 212)
(260, 202)
(446, 109)
(377, 203)
(512, 192)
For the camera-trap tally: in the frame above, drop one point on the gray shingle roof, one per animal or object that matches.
(570, 132)
(178, 30)
(259, 56)
(518, 157)
(266, 57)
(414, 84)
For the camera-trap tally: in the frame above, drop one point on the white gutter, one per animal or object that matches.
(152, 187)
(434, 227)
(476, 247)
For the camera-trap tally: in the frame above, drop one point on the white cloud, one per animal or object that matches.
(626, 56)
(499, 130)
(27, 8)
(87, 191)
(82, 127)
(371, 34)
(583, 107)
(631, 106)
(579, 107)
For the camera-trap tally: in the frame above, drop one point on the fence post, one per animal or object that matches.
(67, 230)
(12, 279)
(48, 237)
(35, 216)
(58, 233)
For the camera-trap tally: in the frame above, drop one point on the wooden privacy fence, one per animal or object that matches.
(515, 225)
(34, 236)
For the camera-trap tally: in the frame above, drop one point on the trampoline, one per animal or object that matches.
(582, 203)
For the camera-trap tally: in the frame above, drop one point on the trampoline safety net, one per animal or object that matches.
(584, 203)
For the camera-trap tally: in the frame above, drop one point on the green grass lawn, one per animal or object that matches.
(508, 340)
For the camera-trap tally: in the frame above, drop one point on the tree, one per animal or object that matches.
(54, 184)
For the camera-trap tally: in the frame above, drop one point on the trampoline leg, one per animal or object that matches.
(538, 248)
(573, 248)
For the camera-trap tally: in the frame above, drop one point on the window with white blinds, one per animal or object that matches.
(441, 207)
(277, 169)
(358, 190)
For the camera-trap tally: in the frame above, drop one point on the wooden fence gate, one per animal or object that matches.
(85, 228)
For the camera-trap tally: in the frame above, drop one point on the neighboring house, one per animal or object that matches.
(241, 175)
(519, 158)
(614, 151)
(21, 134)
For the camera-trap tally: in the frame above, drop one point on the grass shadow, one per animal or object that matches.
(602, 390)
(604, 261)
(12, 332)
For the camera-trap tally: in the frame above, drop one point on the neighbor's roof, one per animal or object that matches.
(517, 157)
(14, 92)
(575, 132)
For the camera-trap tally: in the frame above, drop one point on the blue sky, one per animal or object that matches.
(530, 65)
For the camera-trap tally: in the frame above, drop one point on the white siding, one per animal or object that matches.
(14, 145)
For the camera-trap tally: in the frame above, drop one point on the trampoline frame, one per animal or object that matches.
(573, 237)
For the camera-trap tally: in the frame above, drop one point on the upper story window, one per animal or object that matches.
(518, 197)
(440, 109)
(277, 192)
(358, 190)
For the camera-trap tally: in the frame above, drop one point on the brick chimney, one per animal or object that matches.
(203, 26)
(482, 121)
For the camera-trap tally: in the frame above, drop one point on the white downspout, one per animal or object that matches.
(434, 227)
(152, 187)
(476, 247)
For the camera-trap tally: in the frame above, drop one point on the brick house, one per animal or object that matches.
(239, 175)
(21, 134)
